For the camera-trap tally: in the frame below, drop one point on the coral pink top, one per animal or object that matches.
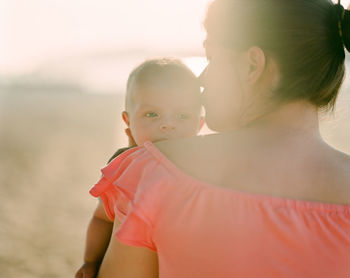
(202, 230)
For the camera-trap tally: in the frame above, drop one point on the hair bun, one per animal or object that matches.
(343, 16)
(346, 29)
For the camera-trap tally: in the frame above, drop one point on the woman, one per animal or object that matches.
(266, 196)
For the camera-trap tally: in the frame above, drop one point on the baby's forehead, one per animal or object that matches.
(164, 97)
(164, 92)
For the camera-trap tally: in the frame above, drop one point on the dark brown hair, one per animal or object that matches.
(302, 35)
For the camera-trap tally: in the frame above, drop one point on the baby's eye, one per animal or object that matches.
(184, 116)
(151, 115)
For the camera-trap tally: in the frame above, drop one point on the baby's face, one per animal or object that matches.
(155, 115)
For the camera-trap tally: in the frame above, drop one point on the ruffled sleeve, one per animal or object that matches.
(124, 196)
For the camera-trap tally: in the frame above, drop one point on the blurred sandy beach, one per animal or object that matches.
(52, 146)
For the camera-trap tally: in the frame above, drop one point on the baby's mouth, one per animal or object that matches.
(164, 138)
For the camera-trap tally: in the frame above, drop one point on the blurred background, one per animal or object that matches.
(63, 69)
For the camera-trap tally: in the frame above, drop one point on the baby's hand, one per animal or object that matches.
(87, 270)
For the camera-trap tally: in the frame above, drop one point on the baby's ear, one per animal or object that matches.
(125, 117)
(201, 123)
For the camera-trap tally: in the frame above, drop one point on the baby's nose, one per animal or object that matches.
(167, 126)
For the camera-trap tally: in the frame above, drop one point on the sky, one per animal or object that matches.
(36, 30)
(33, 32)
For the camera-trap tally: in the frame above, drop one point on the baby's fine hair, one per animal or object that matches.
(164, 73)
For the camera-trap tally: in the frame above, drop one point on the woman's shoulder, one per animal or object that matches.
(207, 145)
(201, 144)
(179, 147)
(339, 170)
(180, 150)
(204, 158)
(341, 157)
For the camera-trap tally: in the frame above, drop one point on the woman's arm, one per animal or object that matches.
(123, 261)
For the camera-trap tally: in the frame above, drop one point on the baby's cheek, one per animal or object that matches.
(142, 135)
(191, 129)
(137, 137)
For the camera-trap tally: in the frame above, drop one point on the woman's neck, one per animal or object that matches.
(298, 118)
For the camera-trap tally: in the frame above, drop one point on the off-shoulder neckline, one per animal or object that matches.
(275, 200)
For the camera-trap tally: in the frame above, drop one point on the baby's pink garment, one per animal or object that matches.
(202, 230)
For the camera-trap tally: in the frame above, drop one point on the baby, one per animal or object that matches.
(162, 102)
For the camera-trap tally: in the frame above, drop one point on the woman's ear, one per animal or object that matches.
(125, 117)
(256, 61)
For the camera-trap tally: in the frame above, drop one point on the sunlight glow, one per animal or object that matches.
(34, 32)
(345, 3)
(196, 64)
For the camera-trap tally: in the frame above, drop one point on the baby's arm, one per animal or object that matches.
(97, 240)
